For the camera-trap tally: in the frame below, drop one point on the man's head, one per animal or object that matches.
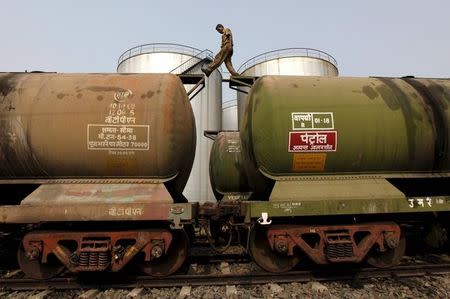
(220, 28)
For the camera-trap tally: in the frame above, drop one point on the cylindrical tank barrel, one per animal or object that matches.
(286, 62)
(226, 169)
(302, 125)
(96, 125)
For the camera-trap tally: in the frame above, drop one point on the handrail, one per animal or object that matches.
(287, 52)
(157, 48)
(208, 54)
(229, 103)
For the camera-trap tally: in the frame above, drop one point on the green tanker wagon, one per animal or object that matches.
(340, 169)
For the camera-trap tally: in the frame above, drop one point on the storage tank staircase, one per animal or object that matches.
(189, 75)
(189, 65)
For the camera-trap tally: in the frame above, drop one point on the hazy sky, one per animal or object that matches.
(377, 37)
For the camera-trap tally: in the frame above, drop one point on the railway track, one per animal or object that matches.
(251, 278)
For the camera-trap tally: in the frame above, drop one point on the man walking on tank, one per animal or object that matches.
(225, 53)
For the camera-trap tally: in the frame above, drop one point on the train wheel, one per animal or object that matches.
(390, 258)
(173, 260)
(267, 258)
(33, 268)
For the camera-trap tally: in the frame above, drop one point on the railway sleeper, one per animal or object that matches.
(44, 254)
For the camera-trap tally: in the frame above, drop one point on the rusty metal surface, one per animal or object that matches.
(97, 180)
(70, 194)
(33, 266)
(92, 251)
(326, 244)
(172, 260)
(98, 202)
(98, 212)
(266, 257)
(95, 125)
(390, 257)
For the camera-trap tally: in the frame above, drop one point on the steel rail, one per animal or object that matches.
(179, 280)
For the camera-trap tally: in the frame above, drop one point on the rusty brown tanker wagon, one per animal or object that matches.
(338, 169)
(96, 150)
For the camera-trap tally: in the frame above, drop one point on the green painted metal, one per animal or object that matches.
(380, 125)
(346, 189)
(439, 90)
(226, 170)
(343, 195)
(365, 206)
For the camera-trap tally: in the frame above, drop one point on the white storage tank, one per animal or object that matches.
(229, 116)
(207, 105)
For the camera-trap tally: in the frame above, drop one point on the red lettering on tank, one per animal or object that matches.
(312, 141)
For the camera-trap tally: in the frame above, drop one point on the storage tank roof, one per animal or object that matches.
(161, 48)
(287, 52)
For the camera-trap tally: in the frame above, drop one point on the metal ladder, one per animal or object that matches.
(201, 58)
